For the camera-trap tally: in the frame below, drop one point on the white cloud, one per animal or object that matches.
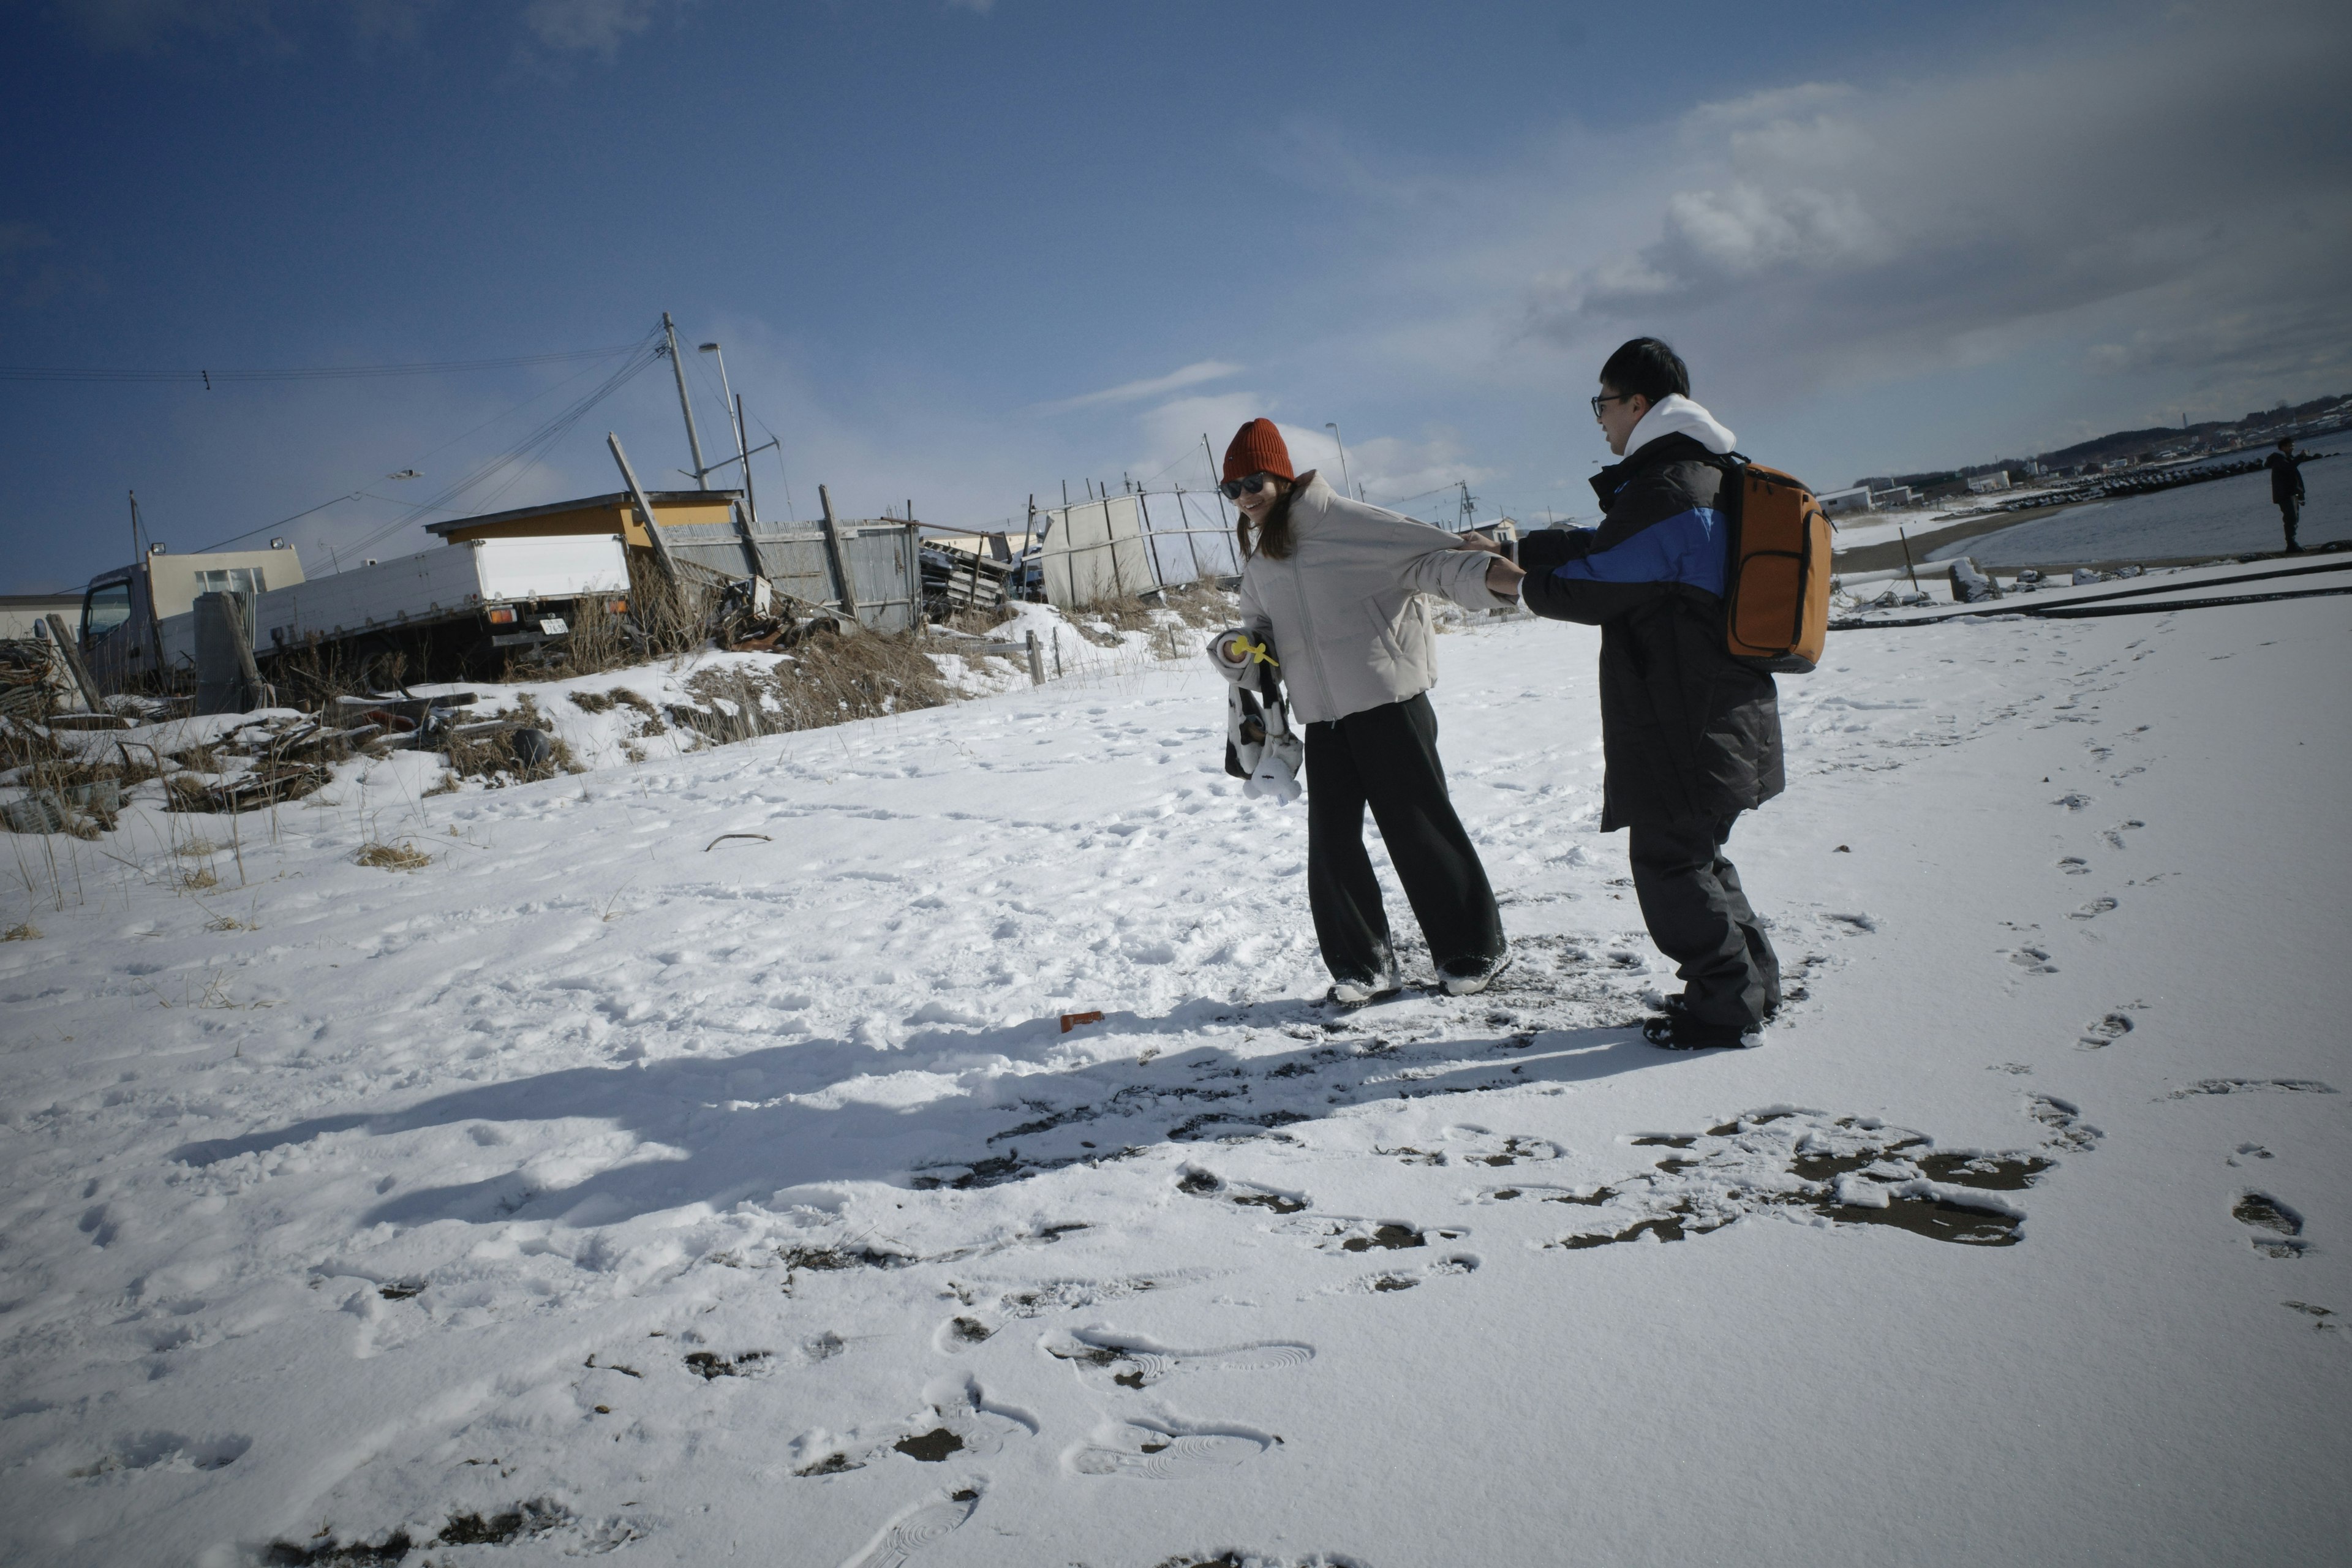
(589, 27)
(2158, 178)
(1135, 391)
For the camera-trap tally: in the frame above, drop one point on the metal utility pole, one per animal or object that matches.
(751, 497)
(742, 447)
(1216, 477)
(684, 404)
(1469, 506)
(147, 575)
(1347, 486)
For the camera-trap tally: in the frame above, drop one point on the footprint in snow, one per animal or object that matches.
(2283, 1227)
(961, 1332)
(1202, 1184)
(1132, 1363)
(2093, 910)
(2320, 1314)
(1159, 1454)
(957, 1421)
(2104, 1033)
(2033, 961)
(1405, 1280)
(2074, 865)
(920, 1526)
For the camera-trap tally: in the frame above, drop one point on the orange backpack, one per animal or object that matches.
(1777, 592)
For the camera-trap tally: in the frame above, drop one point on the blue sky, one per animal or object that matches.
(963, 253)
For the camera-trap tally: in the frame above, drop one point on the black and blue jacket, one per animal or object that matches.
(1689, 734)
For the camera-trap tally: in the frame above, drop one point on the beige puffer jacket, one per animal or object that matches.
(1345, 610)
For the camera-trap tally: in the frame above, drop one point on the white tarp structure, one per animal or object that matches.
(1094, 550)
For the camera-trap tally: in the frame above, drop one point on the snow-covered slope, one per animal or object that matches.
(608, 1184)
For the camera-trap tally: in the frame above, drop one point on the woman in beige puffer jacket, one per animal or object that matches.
(1337, 586)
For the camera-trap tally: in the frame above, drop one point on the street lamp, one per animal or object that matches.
(1347, 486)
(735, 417)
(1344, 480)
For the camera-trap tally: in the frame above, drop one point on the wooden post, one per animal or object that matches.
(913, 569)
(750, 543)
(844, 589)
(1111, 540)
(645, 510)
(1037, 662)
(257, 694)
(70, 651)
(1028, 539)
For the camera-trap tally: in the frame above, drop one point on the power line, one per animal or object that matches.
(526, 451)
(462, 435)
(304, 372)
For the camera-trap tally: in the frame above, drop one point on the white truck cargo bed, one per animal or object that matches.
(441, 585)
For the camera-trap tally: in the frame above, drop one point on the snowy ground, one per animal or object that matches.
(603, 1186)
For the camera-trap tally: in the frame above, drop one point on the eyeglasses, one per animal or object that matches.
(1610, 397)
(1233, 489)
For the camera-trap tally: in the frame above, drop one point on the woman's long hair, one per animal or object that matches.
(1272, 537)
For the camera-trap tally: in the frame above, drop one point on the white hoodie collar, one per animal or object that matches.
(1674, 414)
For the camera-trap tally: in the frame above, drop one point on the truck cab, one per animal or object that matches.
(122, 610)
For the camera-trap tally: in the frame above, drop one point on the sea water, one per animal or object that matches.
(2221, 516)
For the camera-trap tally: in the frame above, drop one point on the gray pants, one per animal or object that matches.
(1699, 917)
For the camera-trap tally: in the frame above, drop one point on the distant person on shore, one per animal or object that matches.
(2287, 489)
(1337, 586)
(1690, 735)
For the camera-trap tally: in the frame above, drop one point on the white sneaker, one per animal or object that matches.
(1471, 984)
(1357, 993)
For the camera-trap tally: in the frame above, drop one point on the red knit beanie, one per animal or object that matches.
(1257, 448)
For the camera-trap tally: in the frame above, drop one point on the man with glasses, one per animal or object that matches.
(1690, 736)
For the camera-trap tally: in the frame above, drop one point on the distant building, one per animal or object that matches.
(1986, 484)
(607, 514)
(1894, 495)
(21, 613)
(1837, 503)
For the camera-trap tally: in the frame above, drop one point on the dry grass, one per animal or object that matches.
(196, 880)
(401, 856)
(312, 678)
(1203, 604)
(503, 757)
(596, 643)
(23, 930)
(827, 680)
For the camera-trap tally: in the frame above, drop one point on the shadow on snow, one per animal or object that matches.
(949, 1107)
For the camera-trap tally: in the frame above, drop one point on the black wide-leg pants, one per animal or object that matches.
(1698, 915)
(1386, 758)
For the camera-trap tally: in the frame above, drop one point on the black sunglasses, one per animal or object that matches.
(1233, 489)
(1611, 397)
